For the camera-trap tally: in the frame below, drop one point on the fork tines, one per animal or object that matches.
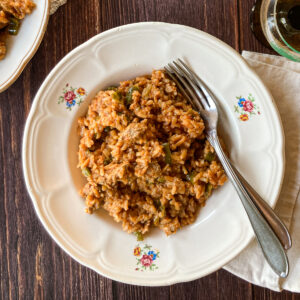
(190, 85)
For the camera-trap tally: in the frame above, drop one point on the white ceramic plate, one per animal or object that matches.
(251, 129)
(22, 47)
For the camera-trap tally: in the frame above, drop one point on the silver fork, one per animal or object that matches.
(202, 99)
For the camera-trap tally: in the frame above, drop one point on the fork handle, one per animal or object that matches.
(268, 213)
(268, 241)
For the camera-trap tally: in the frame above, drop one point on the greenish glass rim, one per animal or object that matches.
(283, 52)
(293, 53)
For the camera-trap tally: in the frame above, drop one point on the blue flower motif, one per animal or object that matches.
(153, 254)
(70, 104)
(241, 101)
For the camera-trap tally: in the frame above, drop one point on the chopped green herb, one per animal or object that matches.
(87, 152)
(210, 156)
(107, 129)
(190, 177)
(107, 160)
(156, 203)
(13, 26)
(112, 88)
(168, 157)
(156, 221)
(208, 190)
(86, 172)
(139, 236)
(161, 179)
(117, 95)
(129, 95)
(163, 210)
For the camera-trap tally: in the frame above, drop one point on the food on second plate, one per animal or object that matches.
(145, 156)
(11, 13)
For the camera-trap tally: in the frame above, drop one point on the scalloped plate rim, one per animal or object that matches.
(145, 281)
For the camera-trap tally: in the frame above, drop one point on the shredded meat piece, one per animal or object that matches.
(18, 8)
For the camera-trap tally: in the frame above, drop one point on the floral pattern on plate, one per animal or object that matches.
(145, 257)
(72, 96)
(246, 107)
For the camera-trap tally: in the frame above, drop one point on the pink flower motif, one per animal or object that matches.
(69, 96)
(248, 106)
(146, 260)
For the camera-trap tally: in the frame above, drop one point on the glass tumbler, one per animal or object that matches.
(277, 22)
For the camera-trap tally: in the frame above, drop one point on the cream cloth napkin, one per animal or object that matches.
(282, 78)
(55, 4)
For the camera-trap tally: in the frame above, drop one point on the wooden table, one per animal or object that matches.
(31, 264)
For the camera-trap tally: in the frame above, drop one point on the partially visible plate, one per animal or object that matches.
(251, 129)
(22, 47)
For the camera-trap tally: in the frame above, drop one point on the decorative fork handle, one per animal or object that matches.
(270, 245)
(268, 213)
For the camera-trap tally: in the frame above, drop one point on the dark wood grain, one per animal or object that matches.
(32, 266)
